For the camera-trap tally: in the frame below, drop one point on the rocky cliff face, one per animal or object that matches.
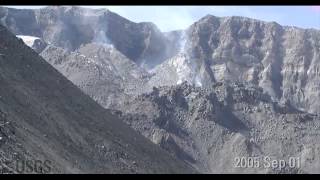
(221, 89)
(70, 27)
(281, 60)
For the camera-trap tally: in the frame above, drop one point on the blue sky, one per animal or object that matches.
(179, 17)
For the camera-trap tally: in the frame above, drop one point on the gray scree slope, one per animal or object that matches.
(44, 116)
(234, 86)
(209, 129)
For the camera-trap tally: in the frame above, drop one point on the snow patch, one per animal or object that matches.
(28, 40)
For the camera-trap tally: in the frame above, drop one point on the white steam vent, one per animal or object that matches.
(182, 42)
(101, 38)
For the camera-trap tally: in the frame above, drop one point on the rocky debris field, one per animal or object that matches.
(210, 129)
(44, 117)
(218, 95)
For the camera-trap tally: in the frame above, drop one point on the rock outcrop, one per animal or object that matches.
(225, 87)
(44, 117)
(71, 27)
(210, 129)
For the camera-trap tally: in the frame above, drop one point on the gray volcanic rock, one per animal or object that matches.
(254, 118)
(43, 116)
(176, 70)
(70, 27)
(281, 60)
(39, 45)
(210, 129)
(221, 89)
(101, 71)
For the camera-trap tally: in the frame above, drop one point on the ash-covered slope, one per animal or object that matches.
(269, 73)
(100, 70)
(209, 126)
(43, 116)
(209, 129)
(69, 27)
